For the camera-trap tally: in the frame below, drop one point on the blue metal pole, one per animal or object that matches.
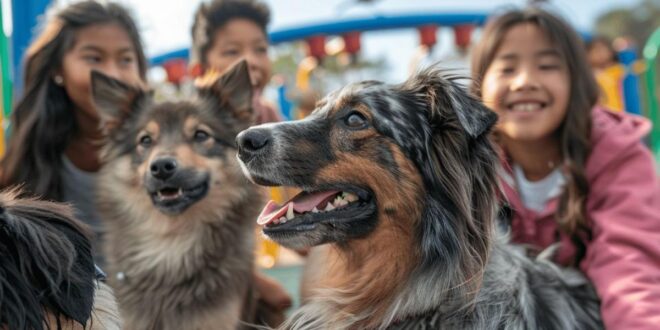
(631, 97)
(24, 16)
(284, 103)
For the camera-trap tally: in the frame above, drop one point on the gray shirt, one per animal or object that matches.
(78, 188)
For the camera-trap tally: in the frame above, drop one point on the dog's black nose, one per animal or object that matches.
(163, 168)
(251, 140)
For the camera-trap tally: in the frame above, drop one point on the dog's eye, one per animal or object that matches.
(145, 141)
(356, 120)
(201, 136)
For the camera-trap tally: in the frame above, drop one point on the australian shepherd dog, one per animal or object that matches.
(47, 275)
(178, 212)
(400, 187)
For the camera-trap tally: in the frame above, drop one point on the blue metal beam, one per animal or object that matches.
(381, 22)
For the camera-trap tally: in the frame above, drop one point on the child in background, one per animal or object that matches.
(223, 33)
(608, 71)
(54, 148)
(226, 31)
(573, 173)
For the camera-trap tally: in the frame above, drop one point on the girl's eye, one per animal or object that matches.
(146, 141)
(355, 120)
(230, 52)
(92, 59)
(126, 60)
(261, 50)
(507, 70)
(549, 67)
(201, 136)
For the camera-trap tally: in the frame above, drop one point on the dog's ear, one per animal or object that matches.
(475, 118)
(114, 99)
(444, 95)
(233, 90)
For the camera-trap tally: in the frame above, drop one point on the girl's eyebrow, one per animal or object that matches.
(95, 48)
(548, 52)
(508, 57)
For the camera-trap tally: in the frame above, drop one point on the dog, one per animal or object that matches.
(400, 188)
(179, 214)
(47, 275)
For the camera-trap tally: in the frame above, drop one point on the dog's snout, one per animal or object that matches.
(252, 140)
(163, 168)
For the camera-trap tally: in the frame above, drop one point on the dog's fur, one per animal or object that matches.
(47, 273)
(419, 249)
(185, 263)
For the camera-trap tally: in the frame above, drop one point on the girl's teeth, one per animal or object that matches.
(526, 107)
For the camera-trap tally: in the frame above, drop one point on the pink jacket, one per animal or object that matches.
(623, 207)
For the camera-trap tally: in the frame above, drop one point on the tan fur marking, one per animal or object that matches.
(153, 129)
(373, 268)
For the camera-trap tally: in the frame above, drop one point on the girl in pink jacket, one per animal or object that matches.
(572, 173)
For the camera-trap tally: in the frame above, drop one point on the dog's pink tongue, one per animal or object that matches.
(303, 202)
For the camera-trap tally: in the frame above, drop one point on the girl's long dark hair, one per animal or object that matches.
(575, 131)
(42, 121)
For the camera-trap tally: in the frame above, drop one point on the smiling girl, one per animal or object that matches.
(574, 173)
(54, 147)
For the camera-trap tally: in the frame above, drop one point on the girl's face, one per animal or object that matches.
(527, 85)
(106, 48)
(241, 38)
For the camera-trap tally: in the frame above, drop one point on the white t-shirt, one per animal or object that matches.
(536, 194)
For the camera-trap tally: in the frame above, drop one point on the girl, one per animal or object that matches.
(226, 31)
(573, 173)
(53, 151)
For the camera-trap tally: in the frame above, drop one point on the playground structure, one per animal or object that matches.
(634, 98)
(635, 88)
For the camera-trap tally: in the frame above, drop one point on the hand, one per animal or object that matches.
(271, 292)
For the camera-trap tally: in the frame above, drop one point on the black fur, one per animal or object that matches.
(46, 264)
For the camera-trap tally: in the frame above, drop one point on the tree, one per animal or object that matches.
(636, 22)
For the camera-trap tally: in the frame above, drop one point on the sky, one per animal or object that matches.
(165, 24)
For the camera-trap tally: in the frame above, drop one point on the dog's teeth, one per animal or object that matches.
(343, 202)
(276, 221)
(289, 212)
(282, 220)
(351, 197)
(329, 207)
(315, 210)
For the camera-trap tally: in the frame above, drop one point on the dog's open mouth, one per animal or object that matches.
(308, 210)
(175, 199)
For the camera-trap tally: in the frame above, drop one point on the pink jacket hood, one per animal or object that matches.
(623, 208)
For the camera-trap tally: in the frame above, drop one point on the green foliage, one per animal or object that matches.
(637, 21)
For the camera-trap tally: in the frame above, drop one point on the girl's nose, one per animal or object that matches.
(525, 79)
(112, 70)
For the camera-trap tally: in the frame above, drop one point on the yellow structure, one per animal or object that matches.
(610, 82)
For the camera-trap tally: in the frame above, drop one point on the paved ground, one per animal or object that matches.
(289, 276)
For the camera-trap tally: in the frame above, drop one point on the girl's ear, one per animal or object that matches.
(114, 99)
